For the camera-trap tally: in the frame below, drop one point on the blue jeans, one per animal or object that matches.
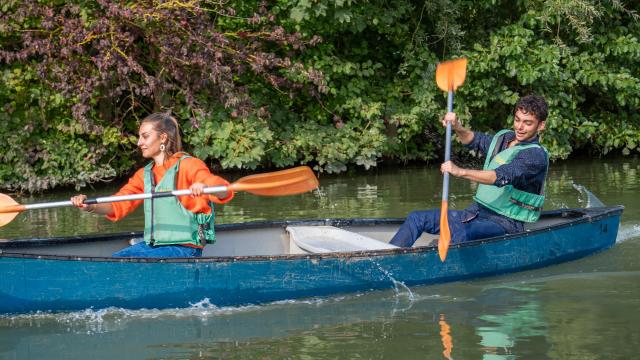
(464, 226)
(142, 250)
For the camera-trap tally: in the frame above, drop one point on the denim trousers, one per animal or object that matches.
(142, 250)
(464, 226)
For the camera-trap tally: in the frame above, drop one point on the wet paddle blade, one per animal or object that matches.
(9, 209)
(445, 233)
(279, 183)
(450, 74)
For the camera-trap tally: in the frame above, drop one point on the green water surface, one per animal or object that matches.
(585, 309)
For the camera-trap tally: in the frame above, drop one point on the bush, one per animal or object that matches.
(334, 84)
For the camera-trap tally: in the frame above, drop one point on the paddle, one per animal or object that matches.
(278, 183)
(449, 75)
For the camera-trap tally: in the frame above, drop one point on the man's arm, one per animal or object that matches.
(487, 177)
(527, 166)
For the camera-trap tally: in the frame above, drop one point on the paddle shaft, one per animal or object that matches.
(110, 199)
(278, 183)
(447, 148)
(449, 76)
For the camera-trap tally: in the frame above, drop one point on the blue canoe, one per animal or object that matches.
(260, 262)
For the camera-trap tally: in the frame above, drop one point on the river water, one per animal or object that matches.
(585, 309)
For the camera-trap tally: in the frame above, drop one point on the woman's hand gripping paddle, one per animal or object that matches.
(278, 183)
(449, 76)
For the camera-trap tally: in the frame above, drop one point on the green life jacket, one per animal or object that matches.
(507, 200)
(166, 221)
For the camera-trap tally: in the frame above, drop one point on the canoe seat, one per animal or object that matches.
(324, 239)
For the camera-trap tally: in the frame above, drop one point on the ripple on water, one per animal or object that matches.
(115, 318)
(92, 321)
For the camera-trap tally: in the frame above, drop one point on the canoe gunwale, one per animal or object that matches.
(585, 215)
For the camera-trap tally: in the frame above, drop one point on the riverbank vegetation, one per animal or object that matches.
(330, 83)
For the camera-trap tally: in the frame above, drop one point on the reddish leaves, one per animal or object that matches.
(145, 55)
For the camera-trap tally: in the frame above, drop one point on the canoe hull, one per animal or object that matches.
(55, 283)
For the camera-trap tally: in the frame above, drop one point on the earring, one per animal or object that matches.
(162, 147)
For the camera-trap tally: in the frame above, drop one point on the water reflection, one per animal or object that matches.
(445, 335)
(506, 317)
(502, 331)
(321, 329)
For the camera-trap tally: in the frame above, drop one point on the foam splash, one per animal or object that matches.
(588, 198)
(317, 301)
(92, 321)
(96, 321)
(398, 287)
(627, 232)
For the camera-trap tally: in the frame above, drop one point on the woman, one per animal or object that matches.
(174, 226)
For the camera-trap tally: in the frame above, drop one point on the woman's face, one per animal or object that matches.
(149, 141)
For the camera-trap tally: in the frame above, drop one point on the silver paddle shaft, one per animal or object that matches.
(110, 199)
(447, 148)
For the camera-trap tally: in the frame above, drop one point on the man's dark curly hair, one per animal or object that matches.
(533, 104)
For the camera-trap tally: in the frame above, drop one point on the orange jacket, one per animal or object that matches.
(191, 170)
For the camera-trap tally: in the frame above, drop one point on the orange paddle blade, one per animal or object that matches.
(278, 183)
(445, 233)
(451, 74)
(9, 209)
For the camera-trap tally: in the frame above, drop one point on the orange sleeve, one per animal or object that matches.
(195, 170)
(135, 185)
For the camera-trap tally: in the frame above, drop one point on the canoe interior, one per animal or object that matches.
(250, 239)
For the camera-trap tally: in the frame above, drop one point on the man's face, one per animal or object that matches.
(526, 126)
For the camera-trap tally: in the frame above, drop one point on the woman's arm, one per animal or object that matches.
(102, 209)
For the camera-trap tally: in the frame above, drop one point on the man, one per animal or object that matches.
(511, 184)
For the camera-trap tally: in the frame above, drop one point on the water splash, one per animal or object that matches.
(88, 321)
(588, 197)
(95, 321)
(627, 232)
(557, 204)
(320, 192)
(398, 286)
(317, 301)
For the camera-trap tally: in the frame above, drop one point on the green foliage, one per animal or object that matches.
(591, 82)
(238, 144)
(331, 83)
(43, 146)
(332, 149)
